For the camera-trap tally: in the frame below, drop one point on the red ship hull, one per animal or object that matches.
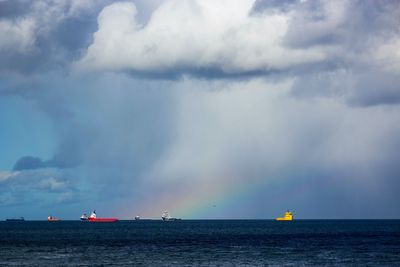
(102, 219)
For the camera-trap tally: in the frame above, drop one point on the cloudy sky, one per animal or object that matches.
(207, 108)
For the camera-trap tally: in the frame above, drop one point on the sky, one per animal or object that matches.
(210, 109)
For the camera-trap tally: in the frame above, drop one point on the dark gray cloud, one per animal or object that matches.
(64, 159)
(375, 89)
(29, 163)
(265, 5)
(369, 88)
(56, 34)
(16, 8)
(356, 33)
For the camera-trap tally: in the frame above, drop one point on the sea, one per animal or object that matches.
(201, 243)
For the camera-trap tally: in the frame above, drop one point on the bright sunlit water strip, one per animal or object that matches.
(201, 243)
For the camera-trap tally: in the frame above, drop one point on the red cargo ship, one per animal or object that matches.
(52, 219)
(93, 218)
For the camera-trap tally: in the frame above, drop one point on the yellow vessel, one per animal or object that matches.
(288, 217)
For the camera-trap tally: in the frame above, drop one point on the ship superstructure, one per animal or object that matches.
(166, 217)
(287, 217)
(84, 217)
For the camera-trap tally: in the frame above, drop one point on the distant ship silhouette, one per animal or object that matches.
(287, 217)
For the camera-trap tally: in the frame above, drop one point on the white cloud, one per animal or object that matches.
(17, 35)
(39, 185)
(76, 6)
(6, 175)
(52, 184)
(193, 35)
(387, 56)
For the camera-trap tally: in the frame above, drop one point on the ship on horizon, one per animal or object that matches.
(287, 217)
(93, 218)
(84, 217)
(167, 217)
(20, 219)
(52, 219)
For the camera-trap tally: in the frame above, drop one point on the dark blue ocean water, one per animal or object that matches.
(201, 243)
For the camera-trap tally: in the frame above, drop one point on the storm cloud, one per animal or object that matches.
(255, 106)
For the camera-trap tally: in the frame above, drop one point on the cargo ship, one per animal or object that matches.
(21, 219)
(287, 217)
(93, 218)
(52, 219)
(167, 217)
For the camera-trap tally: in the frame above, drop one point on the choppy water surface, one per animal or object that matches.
(205, 243)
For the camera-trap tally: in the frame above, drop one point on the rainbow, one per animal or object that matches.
(205, 201)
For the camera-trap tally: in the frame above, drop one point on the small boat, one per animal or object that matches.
(84, 217)
(167, 217)
(137, 218)
(93, 218)
(287, 217)
(52, 219)
(21, 219)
